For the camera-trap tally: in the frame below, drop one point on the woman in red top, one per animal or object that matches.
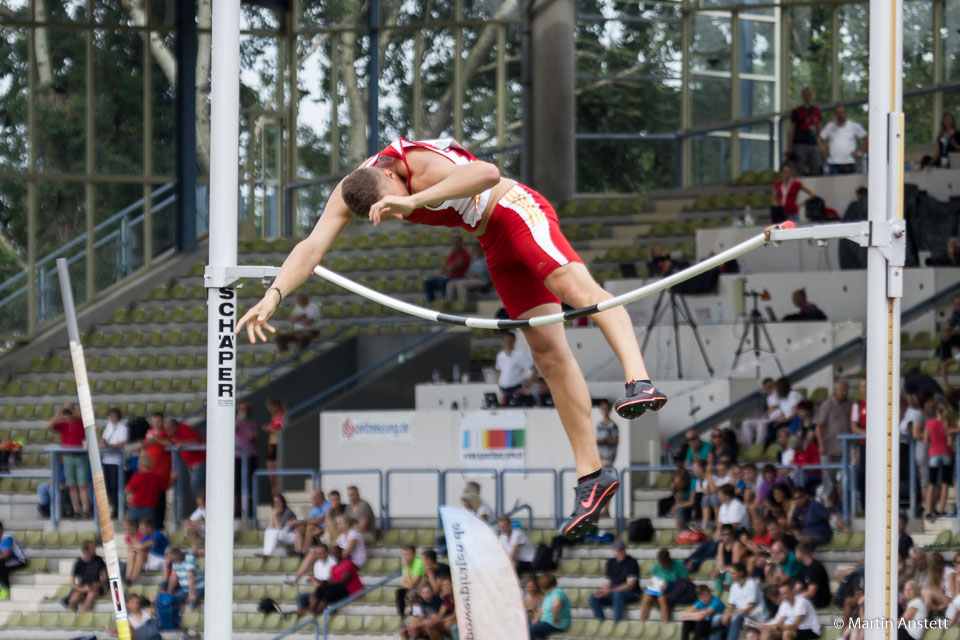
(941, 469)
(785, 192)
(344, 581)
(278, 420)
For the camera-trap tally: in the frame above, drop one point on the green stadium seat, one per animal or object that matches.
(84, 620)
(29, 620)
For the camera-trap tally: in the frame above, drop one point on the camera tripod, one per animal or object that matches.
(755, 326)
(681, 313)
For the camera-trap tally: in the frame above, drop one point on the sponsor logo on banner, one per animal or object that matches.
(493, 438)
(376, 427)
(225, 303)
(489, 602)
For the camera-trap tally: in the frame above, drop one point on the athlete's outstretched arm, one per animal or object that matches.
(298, 266)
(436, 179)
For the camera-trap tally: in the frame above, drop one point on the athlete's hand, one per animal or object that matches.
(391, 207)
(256, 318)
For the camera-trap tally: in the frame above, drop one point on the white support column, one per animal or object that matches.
(221, 316)
(884, 285)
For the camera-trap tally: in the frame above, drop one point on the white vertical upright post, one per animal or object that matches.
(221, 316)
(884, 286)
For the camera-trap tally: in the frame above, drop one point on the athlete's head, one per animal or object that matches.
(367, 186)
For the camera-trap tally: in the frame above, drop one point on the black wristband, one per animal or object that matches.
(279, 293)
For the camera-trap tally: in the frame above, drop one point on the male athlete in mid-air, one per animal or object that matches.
(531, 264)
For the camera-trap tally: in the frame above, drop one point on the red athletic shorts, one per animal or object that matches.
(523, 245)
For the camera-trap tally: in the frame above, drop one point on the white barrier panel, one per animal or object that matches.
(489, 602)
(434, 440)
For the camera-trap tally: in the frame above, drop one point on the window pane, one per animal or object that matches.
(118, 102)
(480, 84)
(314, 107)
(261, 18)
(60, 11)
(14, 148)
(712, 39)
(396, 84)
(61, 218)
(60, 100)
(757, 47)
(918, 117)
(757, 97)
(809, 52)
(258, 72)
(711, 100)
(642, 165)
(13, 207)
(436, 77)
(917, 44)
(118, 249)
(162, 134)
(854, 50)
(710, 159)
(951, 40)
(393, 12)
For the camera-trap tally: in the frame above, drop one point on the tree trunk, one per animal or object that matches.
(160, 52)
(357, 129)
(44, 65)
(203, 87)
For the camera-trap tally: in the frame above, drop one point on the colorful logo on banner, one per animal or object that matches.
(376, 427)
(493, 438)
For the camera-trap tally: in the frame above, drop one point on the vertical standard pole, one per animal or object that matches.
(93, 451)
(885, 201)
(221, 316)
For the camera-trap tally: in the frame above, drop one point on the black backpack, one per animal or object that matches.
(268, 606)
(815, 208)
(640, 530)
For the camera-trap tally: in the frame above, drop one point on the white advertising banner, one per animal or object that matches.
(493, 439)
(487, 594)
(395, 426)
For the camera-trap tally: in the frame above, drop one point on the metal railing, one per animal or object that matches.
(393, 472)
(358, 472)
(501, 489)
(261, 473)
(498, 492)
(517, 509)
(55, 452)
(336, 606)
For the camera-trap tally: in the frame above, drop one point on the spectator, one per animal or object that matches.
(144, 491)
(754, 430)
(796, 619)
(659, 264)
(921, 453)
(768, 479)
(362, 512)
(911, 624)
(321, 563)
(146, 553)
(949, 340)
(744, 604)
(709, 488)
(411, 575)
(278, 420)
(858, 411)
(608, 435)
(732, 511)
(806, 454)
(683, 488)
(311, 526)
(246, 439)
(724, 449)
(352, 540)
(832, 419)
(115, 436)
(11, 559)
(758, 546)
(337, 509)
(154, 446)
(304, 319)
(181, 435)
(281, 529)
(782, 566)
(344, 581)
(950, 259)
(517, 545)
(442, 623)
(730, 551)
(786, 192)
(695, 448)
(935, 438)
(483, 511)
(802, 146)
(935, 591)
(454, 267)
(553, 615)
(423, 608)
(698, 619)
(808, 310)
(843, 136)
(802, 424)
(905, 542)
(781, 502)
(810, 519)
(850, 590)
(918, 568)
(476, 277)
(75, 465)
(778, 533)
(141, 617)
(433, 570)
(749, 484)
(516, 370)
(621, 584)
(196, 525)
(183, 578)
(532, 597)
(948, 141)
(813, 583)
(669, 575)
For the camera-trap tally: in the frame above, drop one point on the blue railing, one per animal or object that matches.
(557, 504)
(395, 472)
(279, 473)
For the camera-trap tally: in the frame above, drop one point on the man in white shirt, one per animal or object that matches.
(754, 430)
(732, 511)
(115, 434)
(322, 566)
(303, 320)
(744, 603)
(844, 137)
(796, 619)
(517, 545)
(516, 369)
